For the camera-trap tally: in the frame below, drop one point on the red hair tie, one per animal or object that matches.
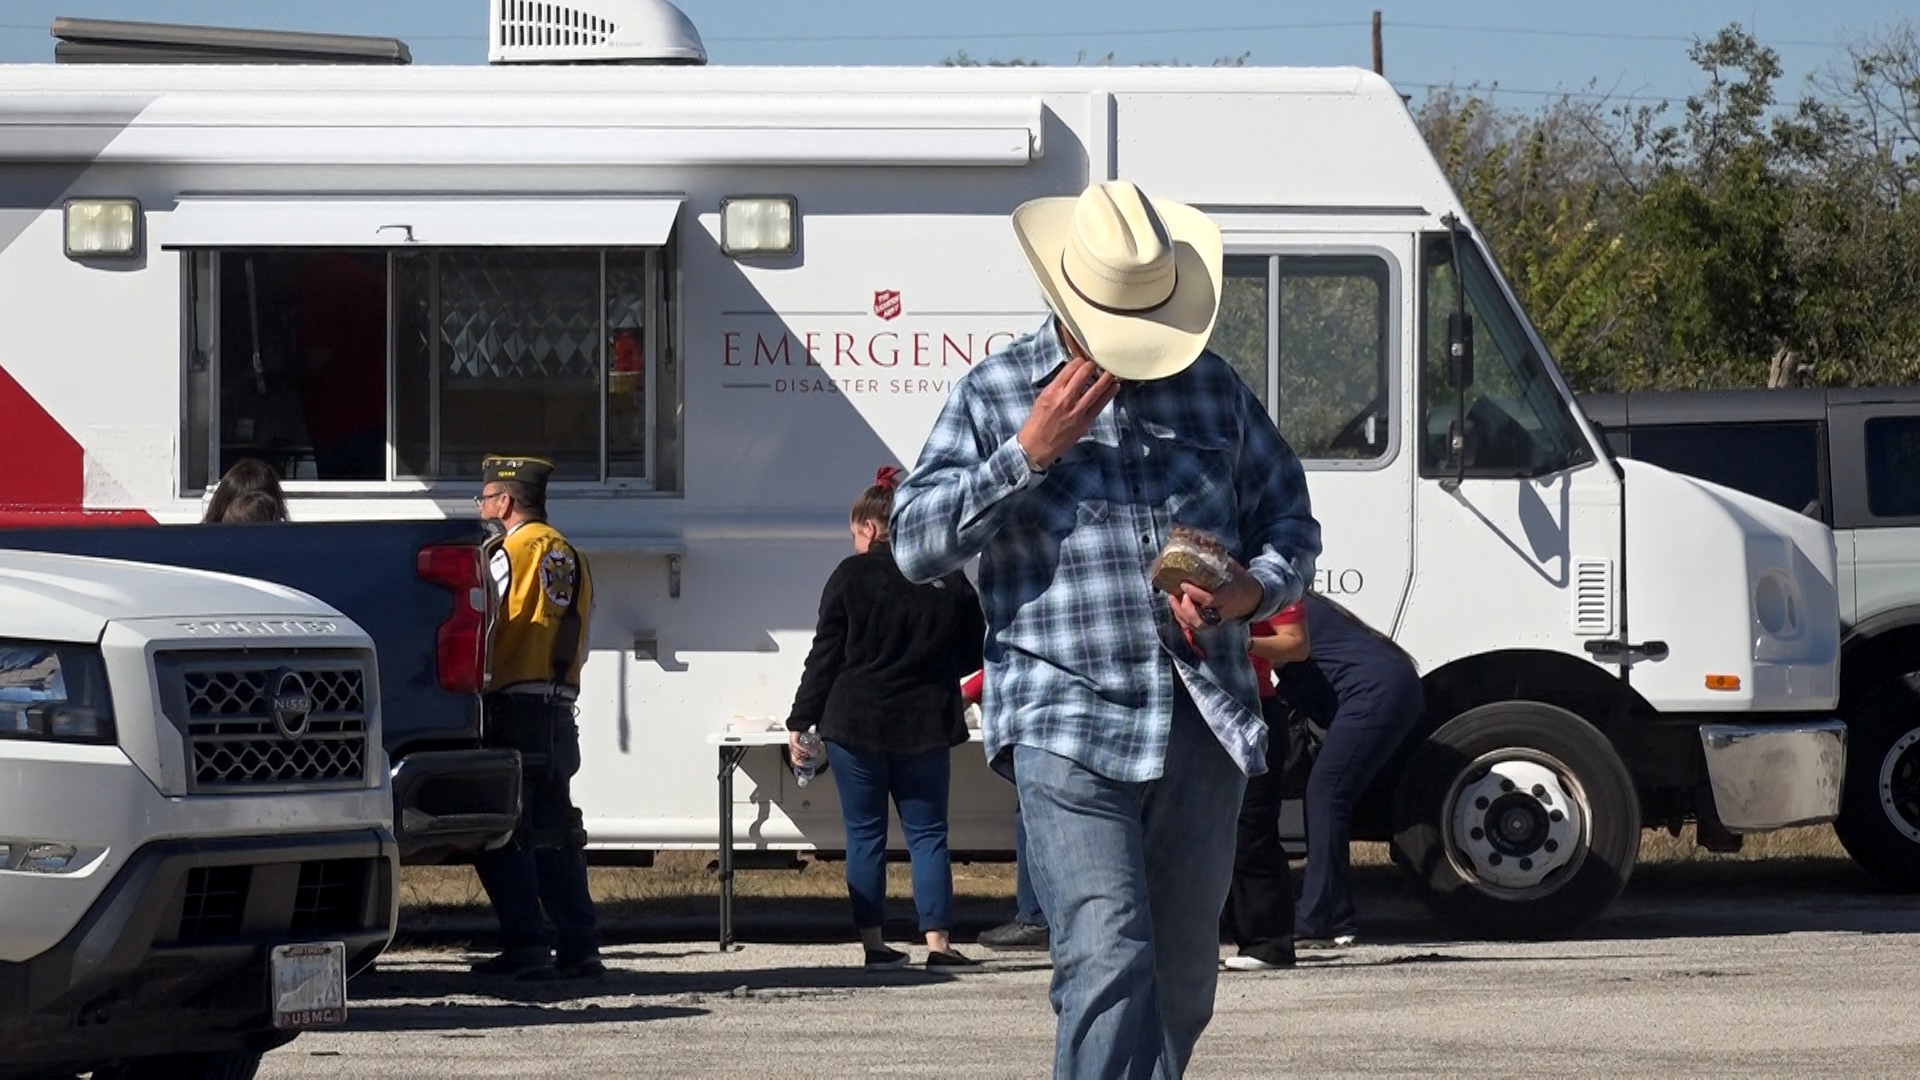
(888, 477)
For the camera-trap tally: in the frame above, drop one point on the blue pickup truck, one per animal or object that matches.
(419, 589)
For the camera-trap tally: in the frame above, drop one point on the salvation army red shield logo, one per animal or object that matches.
(886, 303)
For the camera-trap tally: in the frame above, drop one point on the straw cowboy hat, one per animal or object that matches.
(1135, 280)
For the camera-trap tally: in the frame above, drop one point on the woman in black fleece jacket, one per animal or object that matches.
(882, 687)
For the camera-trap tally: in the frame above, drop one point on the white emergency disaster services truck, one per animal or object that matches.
(720, 298)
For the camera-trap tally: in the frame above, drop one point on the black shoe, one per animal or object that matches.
(511, 965)
(1344, 939)
(951, 959)
(885, 959)
(1016, 937)
(587, 967)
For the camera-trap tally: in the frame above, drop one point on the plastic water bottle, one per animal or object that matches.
(805, 767)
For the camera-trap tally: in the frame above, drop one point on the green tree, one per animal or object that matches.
(1736, 240)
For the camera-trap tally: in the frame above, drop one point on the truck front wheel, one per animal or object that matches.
(1879, 819)
(1517, 819)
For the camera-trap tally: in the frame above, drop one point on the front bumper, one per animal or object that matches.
(172, 956)
(449, 804)
(1767, 777)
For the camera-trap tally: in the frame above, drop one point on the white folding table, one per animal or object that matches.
(733, 747)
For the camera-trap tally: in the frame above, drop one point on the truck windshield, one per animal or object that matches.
(1518, 422)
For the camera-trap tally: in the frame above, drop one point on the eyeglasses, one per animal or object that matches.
(482, 500)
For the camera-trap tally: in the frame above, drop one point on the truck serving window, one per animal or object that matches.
(1312, 336)
(343, 366)
(1518, 423)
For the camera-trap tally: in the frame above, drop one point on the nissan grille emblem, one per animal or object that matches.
(291, 704)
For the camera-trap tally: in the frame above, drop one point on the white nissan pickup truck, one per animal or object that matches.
(196, 820)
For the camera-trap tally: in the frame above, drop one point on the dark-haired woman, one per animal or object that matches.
(248, 476)
(882, 688)
(253, 508)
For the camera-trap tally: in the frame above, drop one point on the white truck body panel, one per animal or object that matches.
(797, 381)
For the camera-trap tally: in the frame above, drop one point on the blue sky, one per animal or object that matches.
(1627, 47)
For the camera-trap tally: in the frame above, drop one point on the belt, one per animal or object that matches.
(546, 690)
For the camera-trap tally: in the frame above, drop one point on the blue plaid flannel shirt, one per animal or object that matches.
(1081, 649)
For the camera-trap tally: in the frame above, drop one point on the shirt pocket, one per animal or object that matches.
(1194, 472)
(1074, 490)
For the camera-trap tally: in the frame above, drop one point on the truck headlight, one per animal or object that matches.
(1776, 605)
(54, 691)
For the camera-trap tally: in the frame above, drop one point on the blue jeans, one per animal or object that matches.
(523, 881)
(1133, 877)
(1027, 909)
(917, 785)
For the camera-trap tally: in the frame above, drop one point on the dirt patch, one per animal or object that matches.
(683, 882)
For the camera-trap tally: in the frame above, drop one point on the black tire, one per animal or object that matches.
(1510, 868)
(236, 1065)
(1879, 821)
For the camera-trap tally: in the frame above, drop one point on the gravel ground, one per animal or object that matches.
(1813, 982)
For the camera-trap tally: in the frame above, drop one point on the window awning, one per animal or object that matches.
(437, 221)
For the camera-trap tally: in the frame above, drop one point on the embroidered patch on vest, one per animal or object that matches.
(557, 576)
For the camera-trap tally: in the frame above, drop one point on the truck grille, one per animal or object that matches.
(270, 720)
(215, 901)
(329, 895)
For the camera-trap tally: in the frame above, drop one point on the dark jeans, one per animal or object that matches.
(917, 785)
(1260, 901)
(521, 879)
(1366, 729)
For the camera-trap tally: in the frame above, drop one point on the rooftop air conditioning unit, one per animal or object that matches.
(591, 32)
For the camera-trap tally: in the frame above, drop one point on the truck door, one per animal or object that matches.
(1517, 530)
(1876, 503)
(1319, 332)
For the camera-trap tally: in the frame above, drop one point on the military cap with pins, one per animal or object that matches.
(532, 471)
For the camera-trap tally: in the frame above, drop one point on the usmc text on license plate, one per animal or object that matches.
(309, 984)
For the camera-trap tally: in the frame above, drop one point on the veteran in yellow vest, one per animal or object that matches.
(538, 647)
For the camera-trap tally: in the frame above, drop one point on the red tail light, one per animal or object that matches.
(462, 639)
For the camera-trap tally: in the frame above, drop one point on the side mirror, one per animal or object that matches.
(1459, 350)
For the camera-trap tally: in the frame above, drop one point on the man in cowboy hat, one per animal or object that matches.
(1129, 719)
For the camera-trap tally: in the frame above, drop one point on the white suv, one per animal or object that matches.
(196, 824)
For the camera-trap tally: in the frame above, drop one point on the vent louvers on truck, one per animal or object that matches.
(1592, 597)
(529, 24)
(591, 32)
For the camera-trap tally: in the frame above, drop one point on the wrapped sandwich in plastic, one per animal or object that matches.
(1192, 555)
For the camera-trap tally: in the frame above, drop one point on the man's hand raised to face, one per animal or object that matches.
(1066, 410)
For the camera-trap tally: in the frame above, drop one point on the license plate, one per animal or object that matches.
(309, 984)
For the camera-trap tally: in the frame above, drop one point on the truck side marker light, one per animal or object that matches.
(1723, 682)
